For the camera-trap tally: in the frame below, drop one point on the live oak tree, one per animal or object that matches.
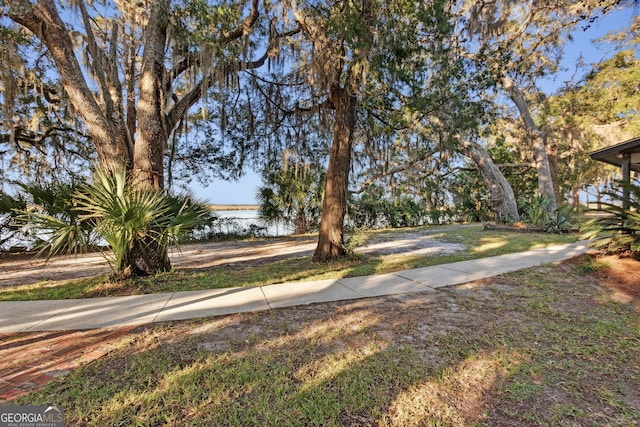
(451, 125)
(420, 158)
(133, 70)
(505, 31)
(340, 35)
(434, 93)
(515, 44)
(358, 51)
(503, 201)
(521, 42)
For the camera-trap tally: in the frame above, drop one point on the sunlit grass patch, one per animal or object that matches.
(49, 289)
(455, 394)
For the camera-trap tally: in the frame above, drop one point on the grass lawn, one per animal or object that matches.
(548, 346)
(475, 241)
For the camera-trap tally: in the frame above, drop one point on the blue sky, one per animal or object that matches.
(582, 46)
(244, 190)
(224, 192)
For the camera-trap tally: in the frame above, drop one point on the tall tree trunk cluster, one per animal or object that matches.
(546, 184)
(503, 201)
(152, 134)
(104, 117)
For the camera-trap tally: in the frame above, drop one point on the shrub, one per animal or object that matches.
(617, 228)
(537, 212)
(51, 218)
(137, 224)
(560, 220)
(9, 205)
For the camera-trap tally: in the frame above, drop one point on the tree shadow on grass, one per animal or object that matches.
(536, 347)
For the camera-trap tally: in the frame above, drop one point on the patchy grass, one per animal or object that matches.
(477, 243)
(50, 289)
(540, 347)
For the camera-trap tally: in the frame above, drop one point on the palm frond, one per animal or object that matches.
(617, 228)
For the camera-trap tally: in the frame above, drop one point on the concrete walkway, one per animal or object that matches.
(79, 314)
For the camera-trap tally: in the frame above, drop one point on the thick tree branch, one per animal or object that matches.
(21, 135)
(44, 21)
(99, 61)
(246, 25)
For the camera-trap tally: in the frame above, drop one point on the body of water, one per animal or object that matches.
(247, 222)
(229, 222)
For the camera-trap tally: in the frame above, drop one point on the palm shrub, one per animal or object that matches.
(271, 209)
(617, 228)
(537, 212)
(137, 224)
(560, 220)
(50, 217)
(54, 198)
(292, 196)
(57, 235)
(9, 205)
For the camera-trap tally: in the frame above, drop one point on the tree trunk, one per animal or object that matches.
(331, 234)
(151, 136)
(503, 201)
(552, 155)
(302, 225)
(541, 160)
(576, 199)
(144, 258)
(149, 257)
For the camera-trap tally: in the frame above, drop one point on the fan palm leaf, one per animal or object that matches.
(617, 228)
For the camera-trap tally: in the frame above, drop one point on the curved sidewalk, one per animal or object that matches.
(92, 313)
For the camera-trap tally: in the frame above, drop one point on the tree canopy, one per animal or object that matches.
(403, 96)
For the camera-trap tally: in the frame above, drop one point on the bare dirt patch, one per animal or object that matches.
(621, 274)
(410, 243)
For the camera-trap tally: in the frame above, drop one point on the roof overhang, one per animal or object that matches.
(617, 154)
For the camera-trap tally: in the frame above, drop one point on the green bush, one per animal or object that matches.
(617, 228)
(137, 224)
(373, 210)
(537, 212)
(50, 217)
(292, 196)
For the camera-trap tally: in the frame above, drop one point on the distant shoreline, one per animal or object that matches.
(234, 207)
